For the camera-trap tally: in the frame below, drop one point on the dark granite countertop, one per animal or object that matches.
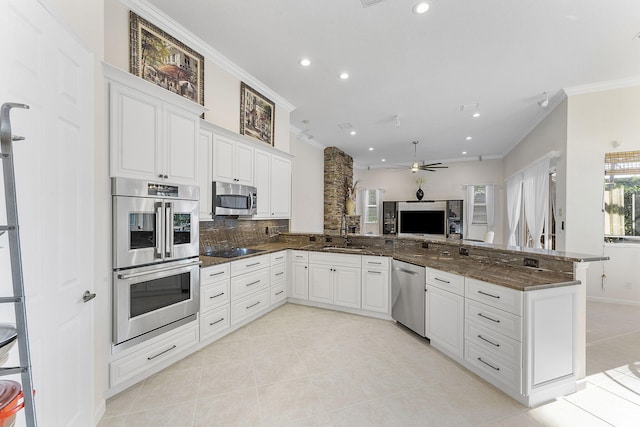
(492, 271)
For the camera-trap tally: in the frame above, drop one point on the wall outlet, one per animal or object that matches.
(531, 262)
(328, 239)
(266, 230)
(463, 251)
(312, 238)
(425, 245)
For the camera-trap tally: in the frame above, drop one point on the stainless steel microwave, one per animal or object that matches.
(234, 199)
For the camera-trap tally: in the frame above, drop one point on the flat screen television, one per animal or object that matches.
(422, 222)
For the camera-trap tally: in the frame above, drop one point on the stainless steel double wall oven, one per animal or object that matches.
(156, 271)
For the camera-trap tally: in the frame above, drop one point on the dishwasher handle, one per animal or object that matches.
(404, 270)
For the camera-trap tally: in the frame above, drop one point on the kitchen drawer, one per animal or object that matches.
(375, 262)
(250, 264)
(446, 281)
(248, 306)
(214, 321)
(343, 260)
(215, 295)
(214, 274)
(496, 296)
(494, 343)
(278, 257)
(278, 273)
(494, 319)
(278, 292)
(494, 368)
(251, 282)
(300, 256)
(169, 346)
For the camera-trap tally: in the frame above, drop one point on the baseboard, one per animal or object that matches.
(613, 301)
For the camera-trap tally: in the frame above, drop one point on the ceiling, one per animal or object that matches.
(500, 55)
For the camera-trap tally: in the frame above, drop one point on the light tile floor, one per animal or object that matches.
(303, 366)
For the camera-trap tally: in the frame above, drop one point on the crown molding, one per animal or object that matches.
(602, 86)
(168, 24)
(305, 138)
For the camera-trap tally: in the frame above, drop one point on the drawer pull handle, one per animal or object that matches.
(490, 342)
(216, 274)
(488, 364)
(217, 321)
(374, 272)
(441, 280)
(279, 257)
(251, 265)
(216, 296)
(299, 256)
(278, 293)
(160, 354)
(488, 318)
(375, 263)
(280, 274)
(489, 295)
(253, 283)
(253, 305)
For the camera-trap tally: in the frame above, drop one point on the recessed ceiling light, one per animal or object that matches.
(344, 76)
(421, 7)
(383, 160)
(370, 148)
(353, 132)
(464, 152)
(468, 138)
(305, 62)
(476, 114)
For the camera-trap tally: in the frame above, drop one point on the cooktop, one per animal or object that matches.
(233, 252)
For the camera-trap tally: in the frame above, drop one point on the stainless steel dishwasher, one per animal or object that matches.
(407, 291)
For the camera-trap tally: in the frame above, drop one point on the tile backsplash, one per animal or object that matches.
(226, 233)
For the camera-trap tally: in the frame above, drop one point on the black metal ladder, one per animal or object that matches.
(13, 230)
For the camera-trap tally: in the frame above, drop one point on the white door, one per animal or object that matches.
(45, 67)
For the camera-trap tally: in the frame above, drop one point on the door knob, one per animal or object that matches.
(88, 296)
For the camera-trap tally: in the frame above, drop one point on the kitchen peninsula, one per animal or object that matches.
(515, 319)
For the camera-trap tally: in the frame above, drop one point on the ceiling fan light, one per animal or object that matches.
(415, 167)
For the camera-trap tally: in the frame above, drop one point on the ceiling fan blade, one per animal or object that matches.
(426, 167)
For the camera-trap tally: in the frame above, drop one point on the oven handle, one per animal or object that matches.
(159, 240)
(158, 270)
(168, 230)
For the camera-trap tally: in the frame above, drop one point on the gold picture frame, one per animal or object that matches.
(159, 58)
(257, 115)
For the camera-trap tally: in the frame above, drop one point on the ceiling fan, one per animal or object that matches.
(415, 166)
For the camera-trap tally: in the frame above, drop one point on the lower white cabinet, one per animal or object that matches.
(375, 284)
(299, 279)
(249, 305)
(279, 269)
(215, 295)
(335, 279)
(444, 320)
(215, 321)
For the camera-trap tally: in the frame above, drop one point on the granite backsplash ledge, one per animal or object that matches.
(227, 232)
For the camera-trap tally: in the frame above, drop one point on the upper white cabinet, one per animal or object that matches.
(232, 161)
(273, 182)
(153, 134)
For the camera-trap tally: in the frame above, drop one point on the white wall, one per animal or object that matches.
(594, 121)
(307, 187)
(400, 184)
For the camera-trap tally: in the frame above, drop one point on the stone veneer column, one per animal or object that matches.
(338, 174)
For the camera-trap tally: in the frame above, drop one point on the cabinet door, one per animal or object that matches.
(280, 187)
(243, 173)
(347, 286)
(375, 290)
(180, 145)
(321, 283)
(299, 280)
(223, 159)
(445, 320)
(134, 124)
(204, 172)
(263, 183)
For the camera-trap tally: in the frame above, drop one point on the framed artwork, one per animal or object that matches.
(159, 58)
(257, 115)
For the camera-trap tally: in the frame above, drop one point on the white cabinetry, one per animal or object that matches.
(444, 319)
(273, 181)
(250, 287)
(299, 283)
(204, 171)
(335, 279)
(214, 300)
(153, 134)
(375, 284)
(232, 160)
(278, 277)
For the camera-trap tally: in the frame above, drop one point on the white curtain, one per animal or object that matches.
(469, 211)
(535, 187)
(514, 204)
(491, 194)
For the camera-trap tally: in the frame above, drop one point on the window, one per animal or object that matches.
(622, 196)
(371, 215)
(479, 205)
